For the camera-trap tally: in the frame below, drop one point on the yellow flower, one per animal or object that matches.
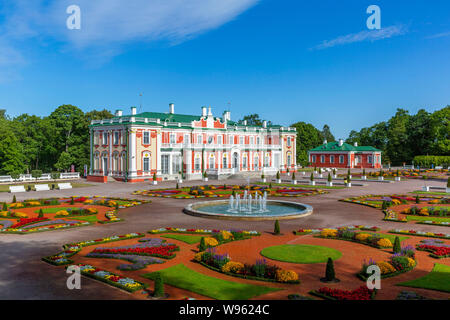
(286, 275)
(328, 232)
(362, 236)
(384, 243)
(385, 267)
(211, 242)
(233, 266)
(226, 235)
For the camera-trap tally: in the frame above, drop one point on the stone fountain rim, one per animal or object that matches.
(189, 209)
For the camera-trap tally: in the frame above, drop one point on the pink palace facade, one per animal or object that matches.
(134, 147)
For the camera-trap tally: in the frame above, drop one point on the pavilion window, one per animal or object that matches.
(146, 137)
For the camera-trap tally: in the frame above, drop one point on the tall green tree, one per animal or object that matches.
(12, 158)
(326, 134)
(308, 137)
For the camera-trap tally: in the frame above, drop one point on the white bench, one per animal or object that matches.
(41, 187)
(13, 189)
(64, 186)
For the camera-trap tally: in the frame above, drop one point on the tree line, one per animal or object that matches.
(55, 142)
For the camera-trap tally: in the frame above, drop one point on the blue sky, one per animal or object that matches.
(312, 61)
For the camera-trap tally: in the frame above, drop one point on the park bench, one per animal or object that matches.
(62, 186)
(41, 187)
(13, 189)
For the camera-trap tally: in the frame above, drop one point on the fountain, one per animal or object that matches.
(249, 207)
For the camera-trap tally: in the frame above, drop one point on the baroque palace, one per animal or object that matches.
(135, 147)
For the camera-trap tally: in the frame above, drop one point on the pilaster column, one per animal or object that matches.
(132, 153)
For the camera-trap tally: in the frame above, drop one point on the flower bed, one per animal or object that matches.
(261, 270)
(23, 222)
(353, 235)
(110, 278)
(225, 191)
(421, 233)
(199, 231)
(398, 263)
(62, 258)
(362, 293)
(437, 248)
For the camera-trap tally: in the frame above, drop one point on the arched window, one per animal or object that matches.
(97, 161)
(197, 162)
(256, 161)
(115, 167)
(212, 162)
(146, 162)
(225, 161)
(322, 159)
(341, 159)
(244, 161)
(124, 162)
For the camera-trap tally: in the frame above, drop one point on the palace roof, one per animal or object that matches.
(335, 147)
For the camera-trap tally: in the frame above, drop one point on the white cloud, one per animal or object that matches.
(366, 35)
(439, 35)
(108, 26)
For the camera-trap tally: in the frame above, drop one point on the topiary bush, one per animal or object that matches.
(159, 286)
(276, 229)
(330, 275)
(397, 247)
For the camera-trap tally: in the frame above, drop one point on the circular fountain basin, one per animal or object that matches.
(275, 210)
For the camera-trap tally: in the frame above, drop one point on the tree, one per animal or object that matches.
(12, 158)
(329, 177)
(41, 213)
(202, 246)
(308, 137)
(397, 248)
(276, 229)
(330, 275)
(64, 162)
(326, 134)
(159, 286)
(254, 120)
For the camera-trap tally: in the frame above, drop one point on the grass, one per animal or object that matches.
(92, 218)
(307, 186)
(54, 210)
(5, 187)
(182, 277)
(184, 238)
(438, 279)
(391, 237)
(427, 218)
(431, 193)
(300, 253)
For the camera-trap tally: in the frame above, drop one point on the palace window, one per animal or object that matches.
(258, 140)
(219, 139)
(313, 159)
(116, 137)
(225, 164)
(186, 138)
(197, 163)
(331, 159)
(172, 138)
(124, 159)
(288, 160)
(230, 140)
(241, 140)
(252, 140)
(105, 138)
(199, 139)
(244, 162)
(266, 161)
(212, 162)
(146, 139)
(176, 164)
(288, 141)
(146, 164)
(369, 159)
(165, 164)
(341, 159)
(322, 159)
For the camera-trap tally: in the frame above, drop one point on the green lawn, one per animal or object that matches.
(91, 218)
(300, 253)
(438, 279)
(428, 218)
(182, 277)
(391, 237)
(431, 193)
(299, 185)
(182, 237)
(53, 210)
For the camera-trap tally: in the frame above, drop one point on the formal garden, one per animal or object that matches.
(38, 215)
(325, 263)
(422, 209)
(225, 191)
(388, 174)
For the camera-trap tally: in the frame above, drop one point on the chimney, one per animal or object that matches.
(341, 142)
(133, 111)
(244, 122)
(209, 111)
(203, 111)
(264, 124)
(325, 141)
(171, 108)
(355, 144)
(118, 113)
